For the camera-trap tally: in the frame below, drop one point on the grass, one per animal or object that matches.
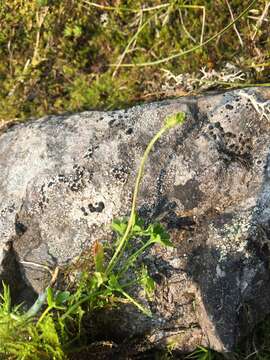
(66, 55)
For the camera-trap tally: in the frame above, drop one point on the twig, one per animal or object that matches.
(39, 20)
(234, 26)
(30, 263)
(132, 41)
(184, 27)
(203, 19)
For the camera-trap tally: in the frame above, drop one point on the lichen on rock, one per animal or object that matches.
(64, 178)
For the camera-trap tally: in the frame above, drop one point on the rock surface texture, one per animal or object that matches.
(64, 178)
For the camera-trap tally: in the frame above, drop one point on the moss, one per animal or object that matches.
(55, 55)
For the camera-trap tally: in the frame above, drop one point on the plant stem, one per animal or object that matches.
(123, 241)
(48, 309)
(135, 255)
(80, 302)
(138, 305)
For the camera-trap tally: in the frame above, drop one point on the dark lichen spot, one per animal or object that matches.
(189, 194)
(223, 219)
(50, 184)
(97, 207)
(217, 125)
(111, 122)
(179, 222)
(85, 213)
(11, 209)
(75, 187)
(129, 131)
(20, 228)
(62, 178)
(157, 278)
(229, 106)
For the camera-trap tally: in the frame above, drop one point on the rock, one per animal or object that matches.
(64, 178)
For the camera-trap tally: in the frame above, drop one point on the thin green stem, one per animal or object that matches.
(131, 220)
(48, 309)
(138, 305)
(134, 256)
(78, 303)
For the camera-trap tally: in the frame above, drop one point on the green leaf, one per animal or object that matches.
(62, 297)
(138, 227)
(159, 235)
(147, 282)
(5, 299)
(98, 279)
(50, 299)
(114, 284)
(68, 31)
(119, 226)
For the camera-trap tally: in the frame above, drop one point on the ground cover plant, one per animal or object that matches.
(67, 55)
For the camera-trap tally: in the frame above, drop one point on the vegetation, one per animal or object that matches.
(69, 55)
(72, 55)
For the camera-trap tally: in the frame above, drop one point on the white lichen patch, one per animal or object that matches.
(231, 239)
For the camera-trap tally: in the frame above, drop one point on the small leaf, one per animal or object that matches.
(50, 299)
(147, 282)
(114, 284)
(159, 235)
(62, 297)
(98, 278)
(138, 227)
(119, 226)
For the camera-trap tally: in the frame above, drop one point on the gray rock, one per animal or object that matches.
(64, 178)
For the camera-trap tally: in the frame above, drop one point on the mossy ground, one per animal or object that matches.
(56, 56)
